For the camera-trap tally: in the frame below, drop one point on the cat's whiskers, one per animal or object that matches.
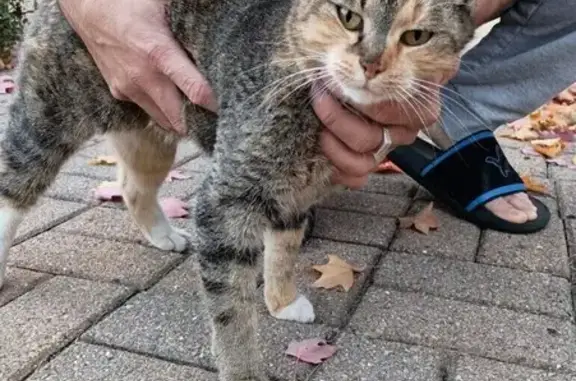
(271, 87)
(428, 85)
(299, 79)
(309, 80)
(408, 99)
(283, 61)
(457, 119)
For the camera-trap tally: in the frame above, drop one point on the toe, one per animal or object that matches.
(522, 202)
(503, 209)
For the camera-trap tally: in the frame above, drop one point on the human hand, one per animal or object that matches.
(488, 10)
(350, 140)
(134, 49)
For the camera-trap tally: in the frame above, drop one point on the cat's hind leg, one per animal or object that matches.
(33, 148)
(281, 250)
(146, 156)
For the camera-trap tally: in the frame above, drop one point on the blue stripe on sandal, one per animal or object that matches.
(455, 148)
(492, 194)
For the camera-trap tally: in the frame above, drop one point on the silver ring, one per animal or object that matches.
(384, 147)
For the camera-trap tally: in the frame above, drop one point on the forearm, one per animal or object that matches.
(488, 10)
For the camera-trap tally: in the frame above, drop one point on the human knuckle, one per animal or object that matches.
(198, 91)
(158, 54)
(363, 145)
(134, 78)
(358, 169)
(406, 138)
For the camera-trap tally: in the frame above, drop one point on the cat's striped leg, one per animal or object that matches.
(146, 156)
(10, 219)
(33, 148)
(229, 247)
(281, 249)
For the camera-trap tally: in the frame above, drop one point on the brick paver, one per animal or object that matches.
(87, 298)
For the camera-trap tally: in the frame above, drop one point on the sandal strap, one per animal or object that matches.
(474, 171)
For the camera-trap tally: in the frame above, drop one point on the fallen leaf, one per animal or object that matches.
(524, 133)
(109, 191)
(567, 136)
(566, 97)
(103, 160)
(424, 221)
(336, 272)
(176, 175)
(387, 166)
(174, 208)
(311, 351)
(529, 151)
(549, 147)
(534, 186)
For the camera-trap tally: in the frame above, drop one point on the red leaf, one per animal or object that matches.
(174, 208)
(176, 175)
(108, 191)
(311, 351)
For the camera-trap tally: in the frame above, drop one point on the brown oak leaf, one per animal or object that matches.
(336, 272)
(534, 186)
(549, 148)
(423, 221)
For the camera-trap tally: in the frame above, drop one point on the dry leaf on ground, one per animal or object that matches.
(336, 272)
(534, 186)
(176, 175)
(550, 148)
(311, 351)
(524, 133)
(566, 97)
(424, 221)
(108, 191)
(174, 207)
(103, 160)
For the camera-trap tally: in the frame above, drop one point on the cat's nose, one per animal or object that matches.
(371, 68)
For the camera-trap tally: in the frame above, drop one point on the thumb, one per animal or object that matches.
(181, 70)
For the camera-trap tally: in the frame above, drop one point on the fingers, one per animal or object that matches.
(343, 158)
(358, 134)
(416, 113)
(172, 61)
(148, 105)
(169, 101)
(351, 182)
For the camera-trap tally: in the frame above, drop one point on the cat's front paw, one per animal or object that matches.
(300, 310)
(169, 238)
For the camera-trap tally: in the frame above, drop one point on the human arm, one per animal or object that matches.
(135, 51)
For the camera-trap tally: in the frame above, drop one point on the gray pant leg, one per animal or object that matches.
(528, 58)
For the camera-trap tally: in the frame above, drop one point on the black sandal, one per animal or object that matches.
(466, 176)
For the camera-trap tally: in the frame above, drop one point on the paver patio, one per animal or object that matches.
(88, 299)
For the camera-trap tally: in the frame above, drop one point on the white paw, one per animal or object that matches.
(169, 238)
(300, 310)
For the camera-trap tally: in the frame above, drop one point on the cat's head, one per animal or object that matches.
(375, 50)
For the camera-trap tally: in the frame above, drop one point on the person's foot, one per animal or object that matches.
(515, 208)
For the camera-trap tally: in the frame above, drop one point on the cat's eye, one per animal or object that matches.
(416, 37)
(350, 20)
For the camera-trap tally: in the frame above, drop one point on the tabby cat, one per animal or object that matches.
(266, 171)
